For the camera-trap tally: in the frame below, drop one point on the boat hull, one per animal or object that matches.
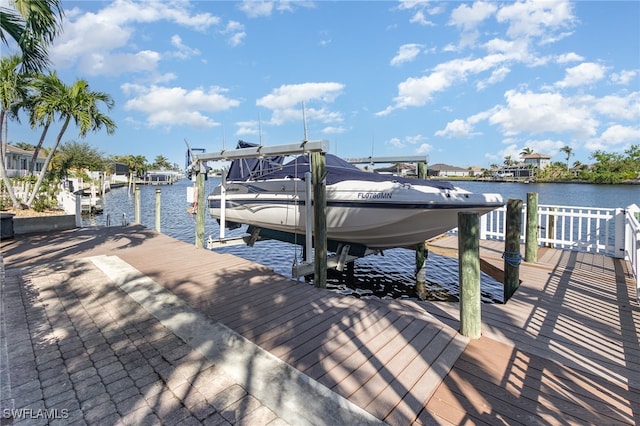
(377, 216)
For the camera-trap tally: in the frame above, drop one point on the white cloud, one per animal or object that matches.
(235, 31)
(421, 9)
(544, 146)
(584, 74)
(262, 8)
(115, 64)
(543, 112)
(411, 140)
(184, 51)
(497, 76)
(333, 130)
(613, 137)
(286, 102)
(616, 106)
(406, 53)
(456, 129)
(510, 151)
(536, 18)
(396, 143)
(418, 91)
(624, 77)
(106, 36)
(246, 128)
(415, 139)
(175, 106)
(424, 148)
(468, 18)
(255, 9)
(569, 57)
(289, 95)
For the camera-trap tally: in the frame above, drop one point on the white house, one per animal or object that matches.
(17, 161)
(539, 161)
(444, 170)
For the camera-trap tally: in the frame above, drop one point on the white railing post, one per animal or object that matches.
(483, 226)
(619, 238)
(78, 211)
(632, 243)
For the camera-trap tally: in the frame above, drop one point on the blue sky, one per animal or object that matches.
(464, 83)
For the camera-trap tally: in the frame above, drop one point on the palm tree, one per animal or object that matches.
(79, 103)
(508, 161)
(42, 106)
(33, 25)
(568, 151)
(12, 94)
(526, 151)
(161, 162)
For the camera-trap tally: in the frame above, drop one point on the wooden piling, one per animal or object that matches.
(421, 270)
(158, 209)
(136, 204)
(511, 253)
(469, 271)
(531, 238)
(422, 170)
(200, 208)
(318, 164)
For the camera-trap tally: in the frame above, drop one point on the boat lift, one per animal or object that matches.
(315, 211)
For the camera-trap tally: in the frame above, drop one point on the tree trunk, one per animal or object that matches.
(34, 157)
(3, 156)
(36, 187)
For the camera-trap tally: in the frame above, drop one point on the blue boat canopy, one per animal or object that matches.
(338, 170)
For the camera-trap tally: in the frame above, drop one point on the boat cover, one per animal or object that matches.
(338, 170)
(248, 168)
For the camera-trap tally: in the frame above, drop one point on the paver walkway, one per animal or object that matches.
(84, 353)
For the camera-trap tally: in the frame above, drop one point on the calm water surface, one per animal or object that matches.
(388, 276)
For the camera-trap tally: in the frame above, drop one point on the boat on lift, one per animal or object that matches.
(377, 211)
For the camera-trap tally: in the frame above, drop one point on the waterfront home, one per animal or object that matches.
(540, 161)
(17, 161)
(445, 170)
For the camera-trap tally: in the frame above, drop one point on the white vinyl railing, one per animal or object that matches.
(612, 232)
(632, 242)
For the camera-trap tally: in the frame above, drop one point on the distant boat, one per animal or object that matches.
(374, 210)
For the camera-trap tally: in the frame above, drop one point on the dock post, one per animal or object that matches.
(136, 204)
(200, 208)
(318, 164)
(421, 270)
(422, 170)
(469, 270)
(511, 253)
(531, 238)
(158, 209)
(78, 200)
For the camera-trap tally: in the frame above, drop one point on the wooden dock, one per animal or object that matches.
(564, 350)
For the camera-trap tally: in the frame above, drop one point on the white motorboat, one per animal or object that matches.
(373, 210)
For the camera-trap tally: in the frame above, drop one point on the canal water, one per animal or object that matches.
(390, 275)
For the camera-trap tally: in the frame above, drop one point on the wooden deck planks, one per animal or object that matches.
(564, 351)
(531, 387)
